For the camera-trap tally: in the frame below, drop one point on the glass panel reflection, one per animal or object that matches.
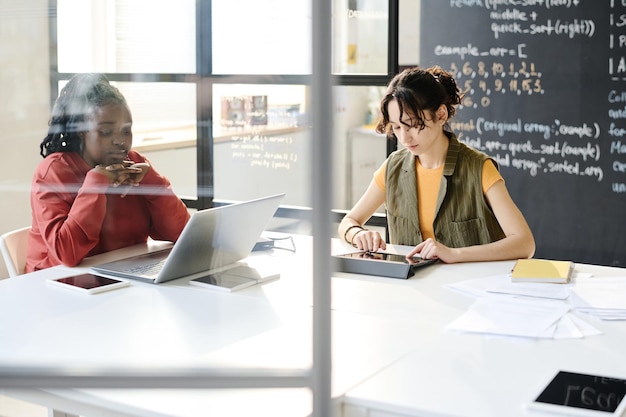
(261, 37)
(261, 142)
(360, 36)
(359, 150)
(126, 36)
(164, 129)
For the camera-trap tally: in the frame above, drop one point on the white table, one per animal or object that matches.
(391, 354)
(176, 325)
(472, 375)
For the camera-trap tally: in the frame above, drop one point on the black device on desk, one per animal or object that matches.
(577, 394)
(89, 283)
(381, 264)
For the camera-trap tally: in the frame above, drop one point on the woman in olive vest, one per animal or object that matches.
(441, 196)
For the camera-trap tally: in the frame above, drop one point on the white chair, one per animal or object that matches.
(13, 246)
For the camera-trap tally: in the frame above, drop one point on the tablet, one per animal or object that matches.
(223, 281)
(584, 395)
(381, 264)
(383, 256)
(259, 273)
(89, 283)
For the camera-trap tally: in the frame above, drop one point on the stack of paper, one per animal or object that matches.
(507, 316)
(604, 298)
(511, 317)
(536, 310)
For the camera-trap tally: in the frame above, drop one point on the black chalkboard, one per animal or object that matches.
(546, 82)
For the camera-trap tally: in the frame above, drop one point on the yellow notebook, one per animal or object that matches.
(542, 270)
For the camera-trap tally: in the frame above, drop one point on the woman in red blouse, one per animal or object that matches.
(92, 193)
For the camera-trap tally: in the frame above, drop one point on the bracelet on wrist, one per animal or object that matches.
(356, 233)
(345, 235)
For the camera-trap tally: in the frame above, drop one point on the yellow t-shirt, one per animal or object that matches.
(428, 181)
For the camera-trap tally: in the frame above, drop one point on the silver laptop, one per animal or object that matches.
(212, 238)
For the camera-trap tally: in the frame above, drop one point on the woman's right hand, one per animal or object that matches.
(368, 240)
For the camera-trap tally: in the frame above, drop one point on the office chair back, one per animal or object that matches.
(13, 246)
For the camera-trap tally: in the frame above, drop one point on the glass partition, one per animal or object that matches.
(126, 36)
(261, 142)
(252, 37)
(360, 36)
(165, 129)
(261, 37)
(164, 114)
(260, 135)
(359, 150)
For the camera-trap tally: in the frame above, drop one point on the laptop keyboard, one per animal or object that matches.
(146, 269)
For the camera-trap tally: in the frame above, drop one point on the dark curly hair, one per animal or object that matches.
(419, 93)
(72, 110)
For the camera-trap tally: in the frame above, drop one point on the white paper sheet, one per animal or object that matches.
(511, 317)
(604, 298)
(501, 284)
(540, 310)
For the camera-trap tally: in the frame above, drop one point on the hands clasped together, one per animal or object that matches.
(125, 173)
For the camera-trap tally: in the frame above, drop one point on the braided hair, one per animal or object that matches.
(72, 110)
(420, 92)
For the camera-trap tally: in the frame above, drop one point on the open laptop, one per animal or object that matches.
(212, 238)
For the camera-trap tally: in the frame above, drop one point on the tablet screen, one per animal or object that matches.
(582, 391)
(381, 256)
(88, 281)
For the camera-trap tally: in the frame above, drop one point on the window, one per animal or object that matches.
(221, 108)
(261, 37)
(360, 35)
(261, 142)
(126, 36)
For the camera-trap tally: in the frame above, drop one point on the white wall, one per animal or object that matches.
(24, 106)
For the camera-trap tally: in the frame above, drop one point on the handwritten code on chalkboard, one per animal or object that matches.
(261, 151)
(584, 391)
(545, 84)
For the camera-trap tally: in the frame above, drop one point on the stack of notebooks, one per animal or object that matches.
(542, 270)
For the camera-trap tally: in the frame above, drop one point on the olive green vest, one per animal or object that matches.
(462, 216)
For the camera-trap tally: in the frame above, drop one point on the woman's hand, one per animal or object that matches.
(126, 173)
(431, 249)
(368, 240)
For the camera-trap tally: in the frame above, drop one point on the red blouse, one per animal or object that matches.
(76, 213)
